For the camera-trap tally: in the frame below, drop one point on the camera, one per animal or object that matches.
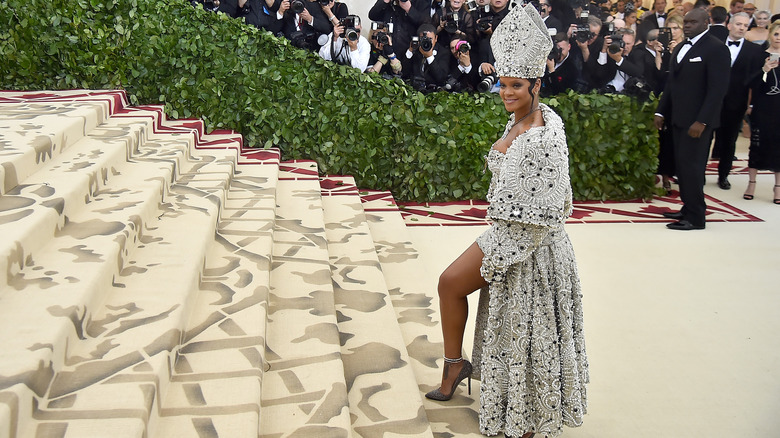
(453, 84)
(426, 43)
(415, 44)
(304, 41)
(481, 15)
(452, 22)
(582, 33)
(387, 27)
(381, 38)
(487, 83)
(555, 53)
(617, 44)
(664, 36)
(297, 6)
(350, 24)
(462, 46)
(324, 2)
(607, 29)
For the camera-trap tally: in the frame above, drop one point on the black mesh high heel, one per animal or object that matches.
(465, 372)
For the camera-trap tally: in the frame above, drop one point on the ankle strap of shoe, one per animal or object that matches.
(448, 360)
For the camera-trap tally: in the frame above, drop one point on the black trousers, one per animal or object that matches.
(726, 140)
(690, 155)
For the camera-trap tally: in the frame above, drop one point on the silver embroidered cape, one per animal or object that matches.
(529, 346)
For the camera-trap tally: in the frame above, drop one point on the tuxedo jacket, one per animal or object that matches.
(749, 61)
(696, 86)
(434, 73)
(605, 73)
(321, 24)
(645, 61)
(565, 77)
(553, 23)
(718, 31)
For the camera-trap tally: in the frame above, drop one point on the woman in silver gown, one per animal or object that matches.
(529, 349)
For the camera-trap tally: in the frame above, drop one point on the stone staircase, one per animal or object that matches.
(157, 281)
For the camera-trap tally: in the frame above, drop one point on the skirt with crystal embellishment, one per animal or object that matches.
(529, 346)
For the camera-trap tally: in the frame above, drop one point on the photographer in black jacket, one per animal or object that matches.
(429, 61)
(406, 17)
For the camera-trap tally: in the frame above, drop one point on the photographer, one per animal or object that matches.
(462, 74)
(303, 21)
(585, 40)
(545, 9)
(405, 16)
(258, 13)
(346, 46)
(486, 22)
(428, 60)
(614, 67)
(454, 22)
(383, 59)
(563, 73)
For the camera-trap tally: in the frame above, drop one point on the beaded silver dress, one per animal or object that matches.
(529, 346)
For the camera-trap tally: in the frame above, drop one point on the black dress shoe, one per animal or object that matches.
(724, 184)
(673, 215)
(684, 226)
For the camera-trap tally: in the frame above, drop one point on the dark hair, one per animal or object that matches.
(719, 14)
(702, 4)
(426, 27)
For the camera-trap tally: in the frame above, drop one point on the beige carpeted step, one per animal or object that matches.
(417, 313)
(119, 354)
(216, 386)
(304, 389)
(383, 393)
(35, 130)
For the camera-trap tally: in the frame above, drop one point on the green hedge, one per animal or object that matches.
(205, 65)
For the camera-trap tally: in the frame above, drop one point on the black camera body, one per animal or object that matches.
(481, 14)
(297, 6)
(350, 24)
(426, 43)
(582, 33)
(324, 2)
(451, 22)
(385, 30)
(415, 44)
(555, 53)
(664, 37)
(617, 44)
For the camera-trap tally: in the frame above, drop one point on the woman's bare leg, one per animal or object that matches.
(459, 280)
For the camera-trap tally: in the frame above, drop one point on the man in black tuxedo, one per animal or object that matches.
(563, 73)
(654, 19)
(406, 16)
(545, 8)
(430, 61)
(303, 26)
(718, 18)
(697, 82)
(746, 59)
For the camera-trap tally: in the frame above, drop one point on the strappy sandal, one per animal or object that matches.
(747, 196)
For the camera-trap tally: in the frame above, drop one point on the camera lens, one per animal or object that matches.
(297, 6)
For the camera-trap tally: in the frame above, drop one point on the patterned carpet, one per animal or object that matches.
(465, 213)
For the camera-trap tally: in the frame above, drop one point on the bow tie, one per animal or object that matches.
(688, 42)
(662, 16)
(733, 43)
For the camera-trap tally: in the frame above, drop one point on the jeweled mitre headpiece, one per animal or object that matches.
(521, 44)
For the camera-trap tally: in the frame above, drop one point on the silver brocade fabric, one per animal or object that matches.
(529, 341)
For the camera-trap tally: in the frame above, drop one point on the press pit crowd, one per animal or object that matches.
(619, 47)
